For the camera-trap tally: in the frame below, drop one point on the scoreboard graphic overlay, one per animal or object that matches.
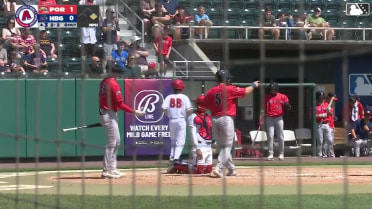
(57, 16)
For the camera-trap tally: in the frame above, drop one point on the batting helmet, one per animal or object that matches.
(178, 84)
(320, 96)
(273, 87)
(223, 76)
(199, 104)
(200, 100)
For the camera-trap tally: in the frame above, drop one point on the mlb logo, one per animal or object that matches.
(357, 9)
(360, 84)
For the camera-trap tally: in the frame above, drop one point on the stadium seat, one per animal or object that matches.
(72, 64)
(249, 14)
(233, 13)
(258, 137)
(231, 33)
(331, 14)
(290, 140)
(303, 136)
(283, 4)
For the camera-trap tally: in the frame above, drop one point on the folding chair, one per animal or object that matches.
(303, 135)
(238, 148)
(259, 139)
(290, 139)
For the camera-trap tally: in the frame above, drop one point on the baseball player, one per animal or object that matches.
(200, 127)
(275, 105)
(177, 107)
(323, 135)
(329, 150)
(360, 132)
(110, 101)
(221, 101)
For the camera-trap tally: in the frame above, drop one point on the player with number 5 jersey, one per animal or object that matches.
(177, 107)
(221, 101)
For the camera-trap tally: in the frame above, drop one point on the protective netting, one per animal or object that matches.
(44, 167)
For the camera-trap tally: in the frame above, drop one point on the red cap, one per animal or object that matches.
(152, 65)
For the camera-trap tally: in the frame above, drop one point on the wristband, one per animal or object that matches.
(254, 85)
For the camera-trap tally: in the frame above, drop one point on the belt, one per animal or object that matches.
(102, 111)
(324, 122)
(207, 143)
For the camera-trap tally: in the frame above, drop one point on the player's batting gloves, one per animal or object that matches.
(139, 113)
(329, 109)
(199, 154)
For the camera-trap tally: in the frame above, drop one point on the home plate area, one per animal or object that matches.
(246, 176)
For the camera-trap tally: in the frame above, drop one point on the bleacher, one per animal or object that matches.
(228, 13)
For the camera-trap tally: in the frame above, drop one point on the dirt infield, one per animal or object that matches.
(246, 176)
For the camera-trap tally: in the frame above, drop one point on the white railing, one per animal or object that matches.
(247, 28)
(210, 68)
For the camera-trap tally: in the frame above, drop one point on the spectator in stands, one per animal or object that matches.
(47, 45)
(361, 131)
(202, 19)
(152, 72)
(140, 52)
(181, 18)
(315, 20)
(47, 2)
(10, 32)
(9, 6)
(35, 61)
(170, 6)
(132, 70)
(120, 55)
(27, 40)
(147, 7)
(268, 21)
(15, 64)
(163, 47)
(286, 20)
(299, 34)
(111, 36)
(88, 36)
(95, 67)
(4, 67)
(159, 18)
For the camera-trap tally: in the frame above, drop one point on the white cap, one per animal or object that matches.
(137, 38)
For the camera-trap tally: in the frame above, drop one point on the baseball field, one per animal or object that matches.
(293, 183)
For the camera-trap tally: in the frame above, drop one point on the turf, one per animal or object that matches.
(359, 201)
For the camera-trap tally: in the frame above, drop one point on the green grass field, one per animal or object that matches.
(360, 201)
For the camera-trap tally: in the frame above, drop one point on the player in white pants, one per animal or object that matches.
(111, 101)
(200, 129)
(360, 132)
(177, 107)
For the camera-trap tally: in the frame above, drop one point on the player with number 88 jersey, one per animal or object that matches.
(177, 107)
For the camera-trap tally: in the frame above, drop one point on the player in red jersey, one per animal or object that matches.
(111, 101)
(329, 150)
(221, 101)
(322, 112)
(276, 103)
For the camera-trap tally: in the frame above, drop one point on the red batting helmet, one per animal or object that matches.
(178, 84)
(199, 103)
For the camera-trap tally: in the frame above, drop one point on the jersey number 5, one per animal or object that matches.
(175, 103)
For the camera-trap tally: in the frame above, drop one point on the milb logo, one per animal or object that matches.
(357, 9)
(150, 102)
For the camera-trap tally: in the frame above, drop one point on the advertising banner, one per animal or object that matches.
(148, 134)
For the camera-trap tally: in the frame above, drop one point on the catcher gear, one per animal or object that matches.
(199, 104)
(178, 84)
(224, 76)
(319, 96)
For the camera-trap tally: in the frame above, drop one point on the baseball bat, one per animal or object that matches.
(80, 127)
(331, 101)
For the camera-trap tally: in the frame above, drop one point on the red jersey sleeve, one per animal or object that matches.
(118, 101)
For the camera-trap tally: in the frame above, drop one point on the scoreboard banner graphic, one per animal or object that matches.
(57, 16)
